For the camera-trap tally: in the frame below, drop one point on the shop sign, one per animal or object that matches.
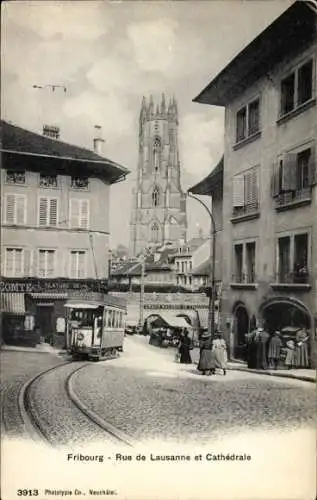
(50, 286)
(174, 306)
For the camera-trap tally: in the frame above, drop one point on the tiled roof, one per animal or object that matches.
(203, 269)
(15, 139)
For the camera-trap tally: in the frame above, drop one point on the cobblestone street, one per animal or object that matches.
(147, 395)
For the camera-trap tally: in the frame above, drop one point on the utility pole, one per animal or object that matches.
(141, 317)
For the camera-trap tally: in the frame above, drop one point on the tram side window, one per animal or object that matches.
(109, 319)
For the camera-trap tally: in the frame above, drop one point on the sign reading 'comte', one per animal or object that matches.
(51, 286)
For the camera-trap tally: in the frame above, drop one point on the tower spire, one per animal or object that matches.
(163, 105)
(151, 106)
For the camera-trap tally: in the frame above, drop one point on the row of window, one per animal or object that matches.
(45, 180)
(183, 266)
(48, 211)
(292, 177)
(15, 265)
(295, 90)
(291, 260)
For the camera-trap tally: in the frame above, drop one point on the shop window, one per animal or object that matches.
(46, 268)
(48, 211)
(297, 88)
(14, 262)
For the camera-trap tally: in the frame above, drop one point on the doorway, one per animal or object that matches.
(44, 317)
(242, 327)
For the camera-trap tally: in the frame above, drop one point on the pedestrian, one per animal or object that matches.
(250, 348)
(302, 360)
(274, 349)
(262, 348)
(220, 352)
(290, 360)
(207, 362)
(184, 348)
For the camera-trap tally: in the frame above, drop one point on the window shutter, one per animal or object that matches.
(254, 186)
(275, 184)
(53, 212)
(10, 209)
(73, 264)
(238, 191)
(289, 172)
(43, 211)
(84, 214)
(74, 213)
(20, 208)
(50, 264)
(27, 262)
(81, 264)
(312, 171)
(9, 261)
(41, 263)
(18, 262)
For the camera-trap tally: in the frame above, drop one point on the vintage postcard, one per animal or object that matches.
(158, 284)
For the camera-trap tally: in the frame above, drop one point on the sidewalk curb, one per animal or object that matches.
(304, 378)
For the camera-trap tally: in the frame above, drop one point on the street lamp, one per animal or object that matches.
(212, 296)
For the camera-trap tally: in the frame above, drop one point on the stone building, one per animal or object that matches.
(269, 236)
(159, 205)
(54, 226)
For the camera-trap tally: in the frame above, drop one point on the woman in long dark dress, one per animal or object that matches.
(184, 349)
(207, 361)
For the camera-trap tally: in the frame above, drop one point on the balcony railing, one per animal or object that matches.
(249, 208)
(293, 197)
(296, 277)
(244, 278)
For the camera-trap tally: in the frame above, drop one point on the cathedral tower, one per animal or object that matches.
(159, 204)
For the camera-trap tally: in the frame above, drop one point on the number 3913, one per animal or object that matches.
(28, 493)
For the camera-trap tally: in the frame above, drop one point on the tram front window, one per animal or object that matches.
(84, 317)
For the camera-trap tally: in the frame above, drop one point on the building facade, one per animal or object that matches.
(54, 225)
(159, 205)
(269, 185)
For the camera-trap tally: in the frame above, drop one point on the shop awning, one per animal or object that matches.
(82, 305)
(203, 317)
(172, 320)
(50, 296)
(12, 303)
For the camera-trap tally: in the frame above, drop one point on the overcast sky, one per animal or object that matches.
(109, 55)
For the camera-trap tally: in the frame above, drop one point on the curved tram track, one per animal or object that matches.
(52, 412)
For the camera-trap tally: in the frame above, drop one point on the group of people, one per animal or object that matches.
(213, 352)
(264, 351)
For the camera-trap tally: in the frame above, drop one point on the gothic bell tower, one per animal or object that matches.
(159, 204)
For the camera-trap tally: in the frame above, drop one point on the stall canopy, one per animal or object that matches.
(171, 320)
(12, 303)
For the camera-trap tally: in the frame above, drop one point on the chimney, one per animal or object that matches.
(51, 131)
(98, 140)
